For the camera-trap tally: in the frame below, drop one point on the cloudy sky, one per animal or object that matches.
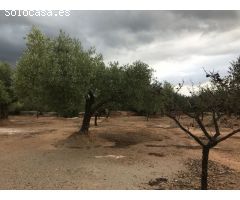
(176, 44)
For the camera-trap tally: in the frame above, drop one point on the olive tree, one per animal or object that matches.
(124, 85)
(153, 99)
(234, 85)
(137, 84)
(32, 71)
(53, 73)
(6, 92)
(69, 75)
(105, 87)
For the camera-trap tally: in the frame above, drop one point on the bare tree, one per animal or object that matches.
(208, 143)
(194, 108)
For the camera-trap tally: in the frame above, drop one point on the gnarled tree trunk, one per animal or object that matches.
(86, 122)
(88, 112)
(90, 108)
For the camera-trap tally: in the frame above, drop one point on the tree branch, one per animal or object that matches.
(186, 131)
(227, 136)
(215, 125)
(203, 128)
(189, 115)
(97, 106)
(217, 119)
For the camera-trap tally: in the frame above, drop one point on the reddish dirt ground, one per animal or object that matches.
(124, 152)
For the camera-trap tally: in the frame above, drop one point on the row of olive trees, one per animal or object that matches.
(58, 74)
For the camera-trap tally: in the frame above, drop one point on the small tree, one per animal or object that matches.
(207, 100)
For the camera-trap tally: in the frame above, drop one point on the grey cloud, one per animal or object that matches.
(162, 25)
(9, 53)
(151, 36)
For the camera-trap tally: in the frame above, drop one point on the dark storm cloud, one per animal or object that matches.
(115, 27)
(9, 52)
(173, 42)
